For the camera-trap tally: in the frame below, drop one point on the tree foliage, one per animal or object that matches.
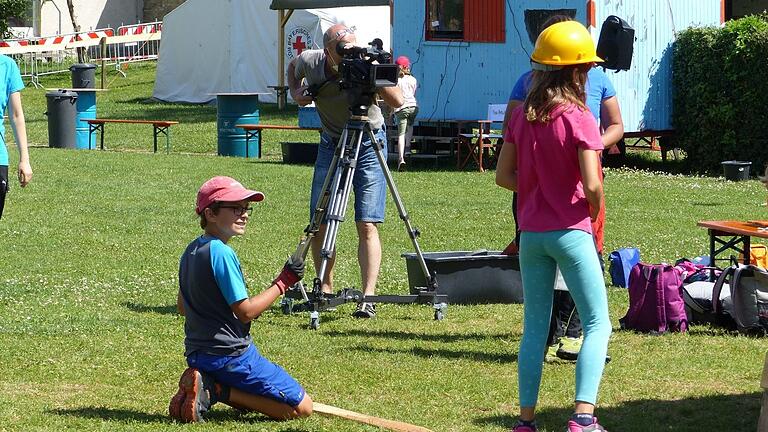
(10, 9)
(719, 93)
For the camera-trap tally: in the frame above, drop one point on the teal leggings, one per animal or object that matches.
(574, 252)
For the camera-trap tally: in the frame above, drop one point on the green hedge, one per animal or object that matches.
(720, 91)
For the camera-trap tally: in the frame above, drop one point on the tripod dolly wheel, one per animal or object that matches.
(314, 320)
(286, 306)
(440, 310)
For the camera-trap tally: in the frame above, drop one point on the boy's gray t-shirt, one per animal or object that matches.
(332, 104)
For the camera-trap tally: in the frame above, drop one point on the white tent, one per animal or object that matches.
(228, 46)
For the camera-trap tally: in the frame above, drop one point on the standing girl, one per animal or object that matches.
(550, 158)
(405, 115)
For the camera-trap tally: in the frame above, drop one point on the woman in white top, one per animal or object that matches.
(405, 115)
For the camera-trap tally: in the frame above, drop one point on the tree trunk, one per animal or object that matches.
(76, 27)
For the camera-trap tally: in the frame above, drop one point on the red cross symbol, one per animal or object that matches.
(299, 46)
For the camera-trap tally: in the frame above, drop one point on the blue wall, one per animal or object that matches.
(459, 79)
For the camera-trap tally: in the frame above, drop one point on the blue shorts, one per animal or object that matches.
(368, 183)
(251, 373)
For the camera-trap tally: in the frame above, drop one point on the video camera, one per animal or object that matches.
(358, 69)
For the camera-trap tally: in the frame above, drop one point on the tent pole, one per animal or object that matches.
(282, 90)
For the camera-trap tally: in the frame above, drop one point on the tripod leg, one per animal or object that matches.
(310, 232)
(412, 233)
(339, 196)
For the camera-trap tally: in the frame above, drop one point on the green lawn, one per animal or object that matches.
(91, 339)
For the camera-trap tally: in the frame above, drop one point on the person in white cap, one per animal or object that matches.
(224, 364)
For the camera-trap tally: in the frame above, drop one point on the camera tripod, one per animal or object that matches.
(331, 209)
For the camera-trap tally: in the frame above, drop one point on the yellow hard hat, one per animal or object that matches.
(565, 43)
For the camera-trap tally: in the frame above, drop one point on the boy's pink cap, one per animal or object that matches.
(222, 188)
(403, 61)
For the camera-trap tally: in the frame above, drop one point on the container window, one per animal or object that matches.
(464, 20)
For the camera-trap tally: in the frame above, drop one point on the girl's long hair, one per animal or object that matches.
(549, 89)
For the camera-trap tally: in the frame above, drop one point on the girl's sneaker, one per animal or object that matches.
(521, 427)
(594, 427)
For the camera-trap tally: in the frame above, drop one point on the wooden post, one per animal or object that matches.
(282, 19)
(392, 425)
(103, 55)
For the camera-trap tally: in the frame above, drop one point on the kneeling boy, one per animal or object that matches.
(224, 364)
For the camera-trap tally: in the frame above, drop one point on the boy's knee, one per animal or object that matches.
(305, 407)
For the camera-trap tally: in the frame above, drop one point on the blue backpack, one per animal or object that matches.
(621, 263)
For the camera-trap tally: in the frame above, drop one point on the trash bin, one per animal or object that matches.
(736, 170)
(233, 109)
(86, 110)
(61, 118)
(83, 75)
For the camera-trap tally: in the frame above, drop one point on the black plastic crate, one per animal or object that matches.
(469, 277)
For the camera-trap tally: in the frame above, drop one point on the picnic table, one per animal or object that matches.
(730, 235)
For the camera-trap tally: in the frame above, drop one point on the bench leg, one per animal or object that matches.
(96, 127)
(164, 130)
(248, 136)
(93, 128)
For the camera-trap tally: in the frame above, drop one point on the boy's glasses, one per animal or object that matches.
(237, 210)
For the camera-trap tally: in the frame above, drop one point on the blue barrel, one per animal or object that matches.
(85, 109)
(233, 109)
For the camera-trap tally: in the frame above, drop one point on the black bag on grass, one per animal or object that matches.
(710, 302)
(749, 292)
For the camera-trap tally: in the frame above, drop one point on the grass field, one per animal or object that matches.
(91, 340)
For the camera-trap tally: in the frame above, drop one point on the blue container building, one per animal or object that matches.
(460, 74)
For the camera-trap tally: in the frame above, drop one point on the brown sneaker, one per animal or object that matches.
(174, 408)
(193, 399)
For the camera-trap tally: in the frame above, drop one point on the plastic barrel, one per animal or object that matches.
(736, 170)
(61, 118)
(234, 109)
(83, 75)
(85, 109)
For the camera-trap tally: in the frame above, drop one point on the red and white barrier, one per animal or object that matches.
(13, 43)
(135, 29)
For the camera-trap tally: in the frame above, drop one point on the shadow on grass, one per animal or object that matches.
(126, 415)
(650, 161)
(410, 336)
(738, 412)
(140, 308)
(708, 204)
(447, 354)
(112, 414)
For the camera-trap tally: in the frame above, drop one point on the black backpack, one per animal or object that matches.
(616, 42)
(710, 302)
(749, 293)
(738, 300)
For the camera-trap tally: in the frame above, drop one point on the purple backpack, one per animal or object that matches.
(655, 302)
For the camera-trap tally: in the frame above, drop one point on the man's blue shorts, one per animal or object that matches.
(368, 183)
(251, 373)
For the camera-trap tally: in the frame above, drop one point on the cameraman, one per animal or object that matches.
(320, 71)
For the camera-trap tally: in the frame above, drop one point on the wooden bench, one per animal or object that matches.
(159, 127)
(659, 140)
(252, 130)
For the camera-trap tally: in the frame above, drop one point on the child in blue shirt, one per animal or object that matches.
(224, 364)
(10, 96)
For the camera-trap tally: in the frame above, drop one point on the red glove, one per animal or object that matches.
(293, 271)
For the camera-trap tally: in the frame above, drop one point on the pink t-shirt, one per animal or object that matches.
(549, 185)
